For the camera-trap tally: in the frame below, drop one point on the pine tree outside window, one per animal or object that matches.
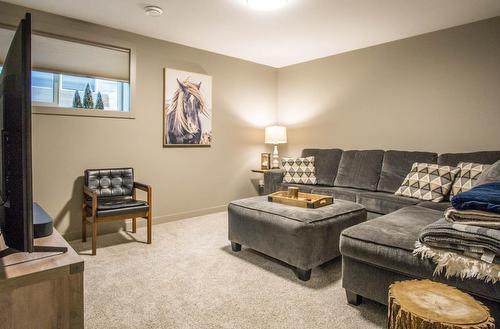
(68, 91)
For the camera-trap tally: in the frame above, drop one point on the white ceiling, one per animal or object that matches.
(303, 30)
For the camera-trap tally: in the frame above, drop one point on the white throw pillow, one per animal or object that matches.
(428, 181)
(466, 177)
(299, 170)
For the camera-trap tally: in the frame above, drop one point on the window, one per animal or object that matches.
(65, 70)
(114, 94)
(42, 89)
(58, 90)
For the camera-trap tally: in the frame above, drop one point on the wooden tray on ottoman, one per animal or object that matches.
(304, 200)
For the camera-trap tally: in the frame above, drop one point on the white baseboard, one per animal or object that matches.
(105, 229)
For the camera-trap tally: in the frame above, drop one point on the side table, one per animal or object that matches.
(261, 181)
(425, 304)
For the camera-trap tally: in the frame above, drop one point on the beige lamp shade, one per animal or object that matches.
(275, 135)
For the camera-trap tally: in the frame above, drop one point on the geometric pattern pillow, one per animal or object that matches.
(468, 174)
(299, 170)
(428, 181)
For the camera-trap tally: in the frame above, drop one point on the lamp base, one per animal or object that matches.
(276, 158)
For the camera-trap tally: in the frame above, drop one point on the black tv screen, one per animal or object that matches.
(16, 213)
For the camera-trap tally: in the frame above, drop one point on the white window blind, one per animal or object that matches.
(63, 56)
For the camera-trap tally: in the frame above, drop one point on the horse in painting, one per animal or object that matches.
(183, 115)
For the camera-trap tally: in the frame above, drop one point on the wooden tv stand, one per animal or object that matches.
(41, 289)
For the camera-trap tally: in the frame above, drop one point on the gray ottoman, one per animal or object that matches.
(303, 238)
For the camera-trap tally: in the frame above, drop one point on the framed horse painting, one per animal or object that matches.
(187, 109)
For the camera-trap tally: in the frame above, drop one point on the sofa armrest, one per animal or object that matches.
(272, 180)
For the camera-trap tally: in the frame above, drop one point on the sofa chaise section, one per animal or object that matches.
(380, 251)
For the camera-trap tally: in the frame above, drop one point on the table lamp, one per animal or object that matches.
(275, 135)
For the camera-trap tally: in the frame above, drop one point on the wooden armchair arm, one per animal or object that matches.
(142, 187)
(146, 188)
(91, 193)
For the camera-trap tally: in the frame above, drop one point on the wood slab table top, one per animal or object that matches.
(426, 304)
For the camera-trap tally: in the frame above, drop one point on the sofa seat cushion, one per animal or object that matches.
(304, 188)
(453, 159)
(326, 162)
(117, 206)
(397, 164)
(384, 203)
(341, 193)
(441, 206)
(360, 169)
(323, 190)
(388, 241)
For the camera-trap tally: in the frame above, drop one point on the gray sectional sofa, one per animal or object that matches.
(379, 252)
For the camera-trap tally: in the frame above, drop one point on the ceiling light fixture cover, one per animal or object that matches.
(266, 4)
(153, 10)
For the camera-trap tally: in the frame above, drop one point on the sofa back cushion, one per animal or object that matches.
(489, 175)
(326, 162)
(397, 164)
(453, 159)
(360, 169)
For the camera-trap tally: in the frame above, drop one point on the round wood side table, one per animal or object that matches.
(426, 304)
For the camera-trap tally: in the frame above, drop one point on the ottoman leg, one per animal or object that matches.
(353, 298)
(303, 275)
(235, 246)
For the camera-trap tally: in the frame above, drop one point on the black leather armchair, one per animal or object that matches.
(110, 194)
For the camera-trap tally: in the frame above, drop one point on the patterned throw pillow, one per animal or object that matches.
(427, 181)
(468, 174)
(299, 170)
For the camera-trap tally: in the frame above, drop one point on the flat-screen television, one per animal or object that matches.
(16, 211)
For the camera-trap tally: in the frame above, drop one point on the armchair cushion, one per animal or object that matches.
(110, 182)
(117, 206)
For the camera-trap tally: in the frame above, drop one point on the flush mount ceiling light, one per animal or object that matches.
(266, 4)
(153, 10)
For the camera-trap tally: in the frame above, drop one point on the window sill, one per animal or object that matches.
(46, 110)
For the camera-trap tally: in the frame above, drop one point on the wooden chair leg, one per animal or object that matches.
(134, 225)
(150, 224)
(94, 236)
(84, 224)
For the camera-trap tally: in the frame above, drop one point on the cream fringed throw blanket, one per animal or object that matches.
(454, 264)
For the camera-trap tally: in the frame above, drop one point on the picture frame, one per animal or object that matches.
(265, 161)
(187, 109)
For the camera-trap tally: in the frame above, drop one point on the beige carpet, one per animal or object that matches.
(190, 278)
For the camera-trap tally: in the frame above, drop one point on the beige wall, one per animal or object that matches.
(437, 92)
(186, 181)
